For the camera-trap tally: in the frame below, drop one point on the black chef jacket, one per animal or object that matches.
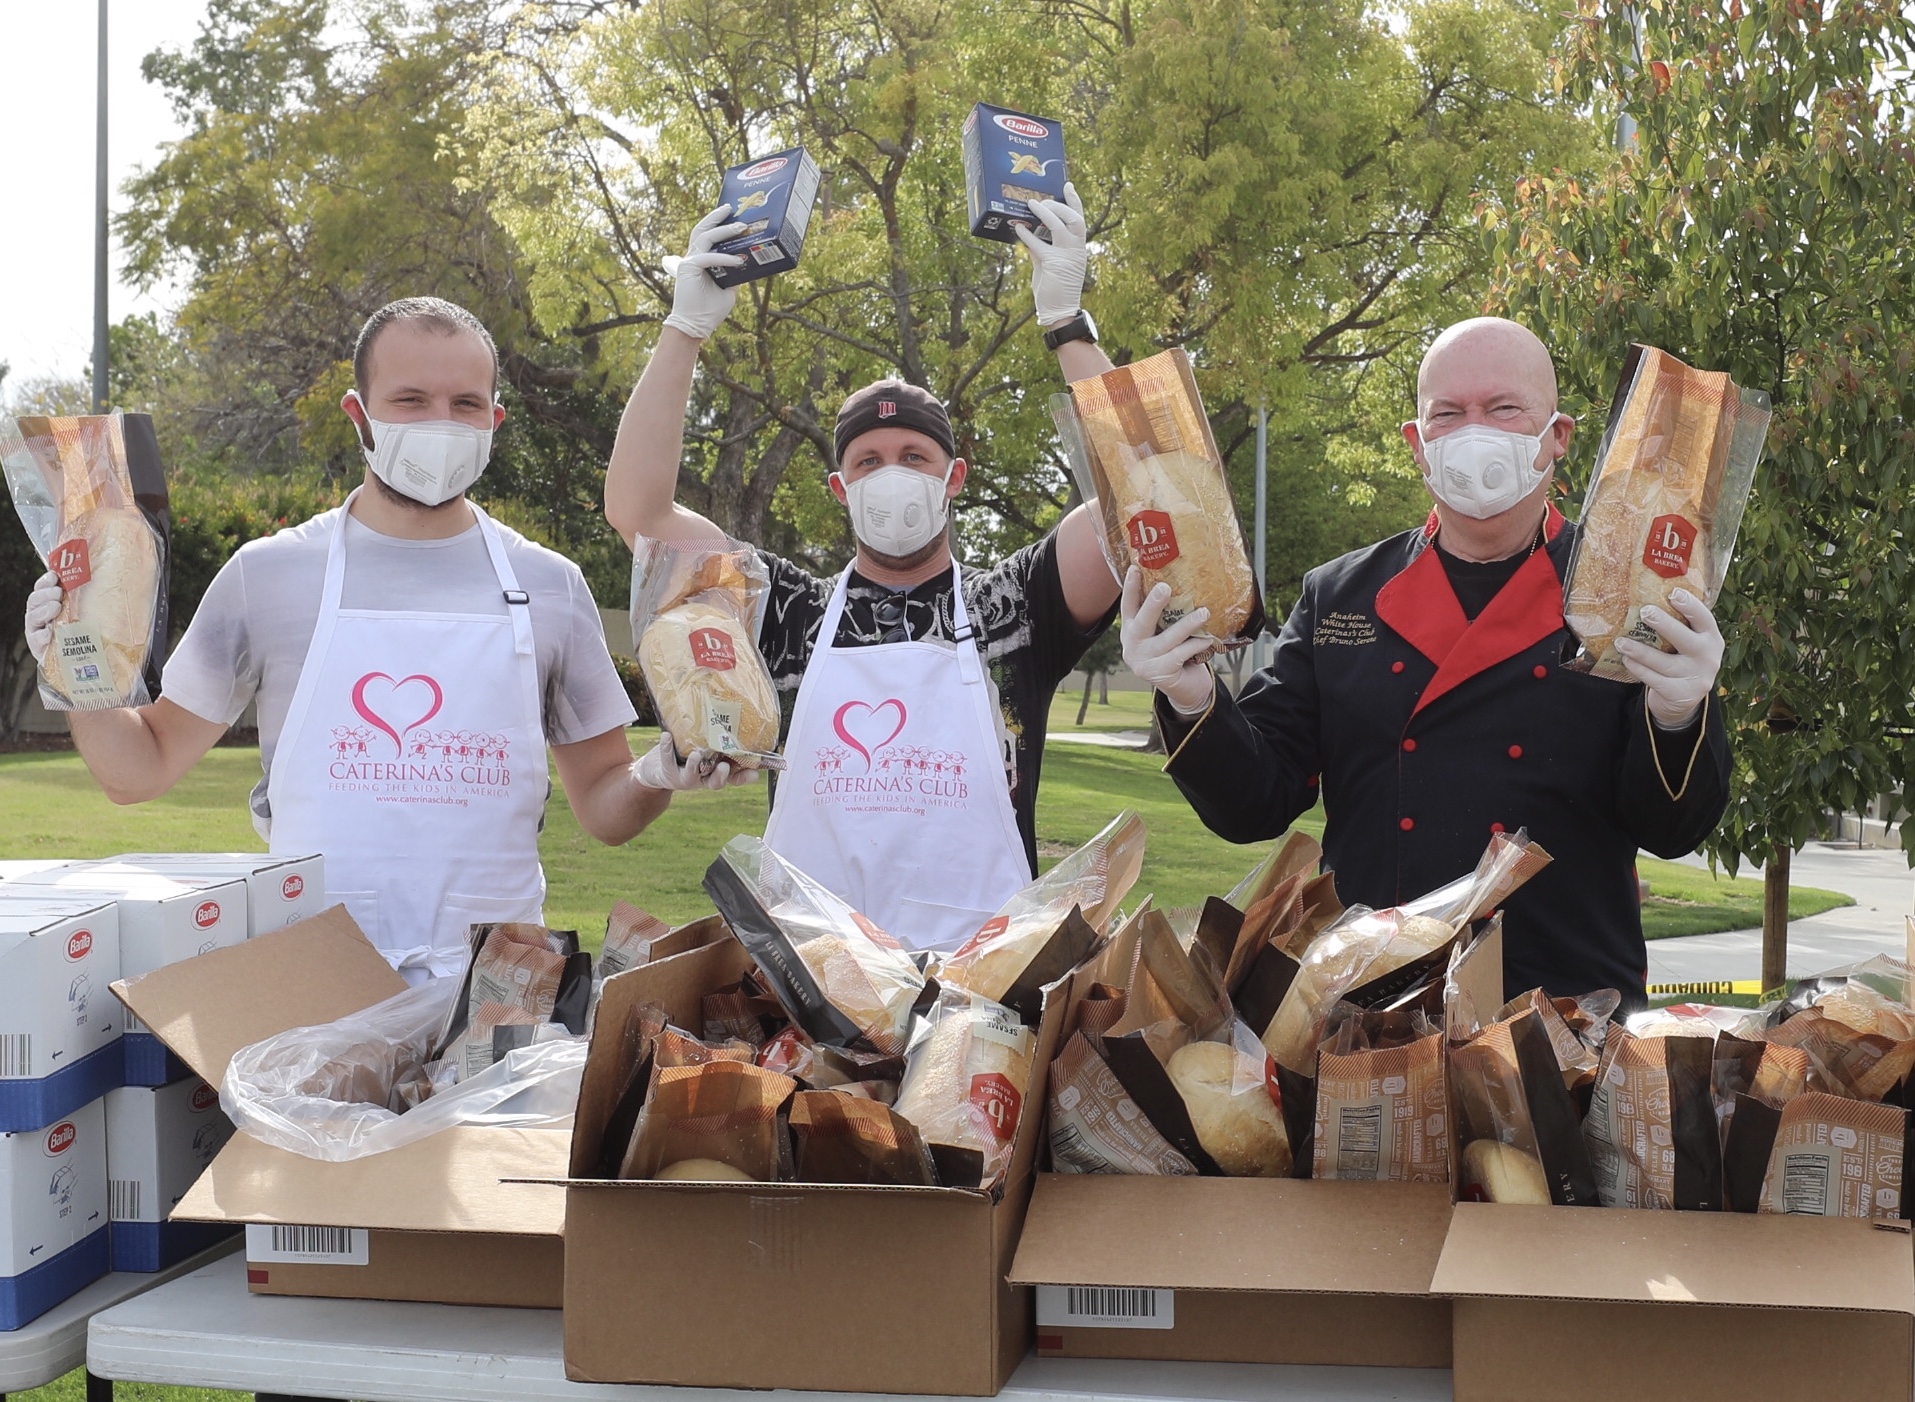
(1429, 732)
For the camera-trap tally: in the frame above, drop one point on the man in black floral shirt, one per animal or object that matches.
(915, 691)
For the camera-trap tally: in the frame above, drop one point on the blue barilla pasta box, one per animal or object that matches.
(1010, 159)
(772, 196)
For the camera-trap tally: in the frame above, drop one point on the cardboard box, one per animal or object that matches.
(60, 1028)
(159, 1139)
(163, 919)
(1010, 158)
(1237, 1270)
(27, 866)
(773, 197)
(890, 1289)
(431, 1221)
(280, 891)
(1584, 1303)
(53, 1235)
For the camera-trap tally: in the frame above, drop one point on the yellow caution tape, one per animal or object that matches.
(1710, 989)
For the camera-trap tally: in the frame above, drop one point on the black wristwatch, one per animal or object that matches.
(1078, 328)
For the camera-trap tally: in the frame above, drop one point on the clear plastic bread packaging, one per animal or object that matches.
(1520, 1135)
(1033, 939)
(1140, 447)
(843, 979)
(1664, 504)
(965, 1082)
(718, 1112)
(694, 613)
(91, 494)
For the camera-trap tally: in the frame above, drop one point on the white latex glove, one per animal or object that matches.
(43, 606)
(1173, 661)
(698, 303)
(702, 769)
(1057, 267)
(1675, 684)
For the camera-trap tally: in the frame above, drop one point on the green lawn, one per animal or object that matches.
(1128, 710)
(49, 807)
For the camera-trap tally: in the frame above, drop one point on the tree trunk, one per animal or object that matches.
(1775, 918)
(1103, 688)
(1155, 744)
(1084, 705)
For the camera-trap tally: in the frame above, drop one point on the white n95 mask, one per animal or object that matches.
(1483, 471)
(897, 510)
(430, 462)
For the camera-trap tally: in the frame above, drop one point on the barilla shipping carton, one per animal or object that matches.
(53, 1235)
(159, 1139)
(1690, 1306)
(431, 1221)
(280, 891)
(1010, 159)
(1241, 1270)
(60, 1028)
(773, 198)
(919, 1272)
(163, 919)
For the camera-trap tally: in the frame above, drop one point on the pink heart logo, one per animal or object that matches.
(869, 724)
(398, 704)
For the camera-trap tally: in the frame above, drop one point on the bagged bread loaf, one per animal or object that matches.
(965, 1083)
(721, 1110)
(1653, 1136)
(1382, 1100)
(1227, 1090)
(1140, 446)
(693, 615)
(842, 978)
(1664, 504)
(92, 497)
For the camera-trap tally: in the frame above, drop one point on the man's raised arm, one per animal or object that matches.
(641, 483)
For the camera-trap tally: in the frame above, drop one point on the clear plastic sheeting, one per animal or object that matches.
(328, 1092)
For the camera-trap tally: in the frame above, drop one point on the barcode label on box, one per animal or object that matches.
(16, 1054)
(1105, 1307)
(313, 1246)
(123, 1200)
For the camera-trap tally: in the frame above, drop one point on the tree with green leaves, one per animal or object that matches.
(1762, 222)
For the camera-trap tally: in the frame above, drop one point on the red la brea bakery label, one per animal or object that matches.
(1672, 540)
(72, 560)
(997, 1103)
(1153, 538)
(713, 650)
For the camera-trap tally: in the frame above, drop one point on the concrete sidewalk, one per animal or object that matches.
(1884, 891)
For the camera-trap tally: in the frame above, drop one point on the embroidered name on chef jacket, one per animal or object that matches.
(1344, 630)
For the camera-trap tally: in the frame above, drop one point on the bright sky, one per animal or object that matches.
(46, 165)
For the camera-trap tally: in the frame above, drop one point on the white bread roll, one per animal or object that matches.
(1505, 1173)
(703, 1171)
(723, 702)
(1241, 1129)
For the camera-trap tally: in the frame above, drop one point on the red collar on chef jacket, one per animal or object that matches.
(1421, 605)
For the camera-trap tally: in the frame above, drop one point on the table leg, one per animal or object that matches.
(98, 1389)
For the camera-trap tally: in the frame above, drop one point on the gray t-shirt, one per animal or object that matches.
(248, 640)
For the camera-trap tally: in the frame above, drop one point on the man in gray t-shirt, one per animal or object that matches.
(412, 660)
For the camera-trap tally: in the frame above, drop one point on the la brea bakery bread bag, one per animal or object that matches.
(1664, 504)
(1140, 446)
(694, 614)
(92, 495)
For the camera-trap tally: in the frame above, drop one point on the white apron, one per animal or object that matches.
(413, 757)
(896, 796)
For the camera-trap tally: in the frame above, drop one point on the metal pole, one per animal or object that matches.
(1626, 124)
(1263, 571)
(99, 237)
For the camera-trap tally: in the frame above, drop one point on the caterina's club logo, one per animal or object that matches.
(387, 746)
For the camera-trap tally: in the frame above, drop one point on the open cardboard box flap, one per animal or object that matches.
(1704, 1258)
(314, 972)
(448, 1183)
(1278, 1235)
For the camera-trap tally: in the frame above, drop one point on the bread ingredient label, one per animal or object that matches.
(999, 1024)
(72, 561)
(1672, 540)
(721, 725)
(713, 650)
(1153, 538)
(80, 656)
